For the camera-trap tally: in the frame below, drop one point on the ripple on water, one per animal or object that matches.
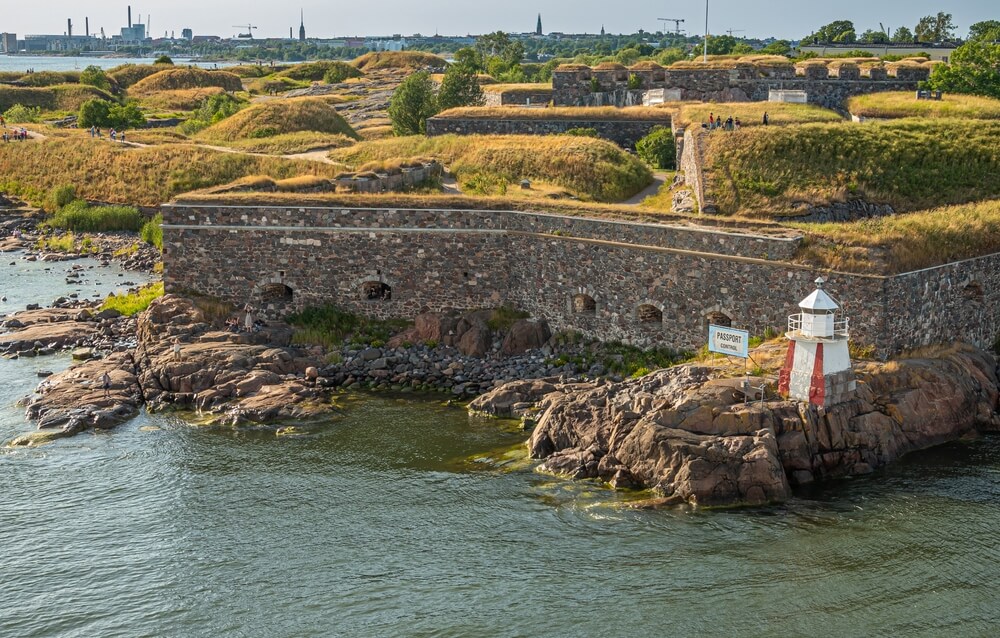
(377, 525)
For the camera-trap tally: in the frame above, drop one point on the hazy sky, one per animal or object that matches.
(324, 18)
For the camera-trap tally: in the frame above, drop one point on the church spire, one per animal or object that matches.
(538, 26)
(302, 25)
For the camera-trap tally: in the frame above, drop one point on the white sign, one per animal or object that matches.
(729, 341)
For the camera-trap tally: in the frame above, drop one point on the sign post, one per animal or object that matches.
(729, 341)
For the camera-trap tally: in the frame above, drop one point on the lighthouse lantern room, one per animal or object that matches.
(817, 367)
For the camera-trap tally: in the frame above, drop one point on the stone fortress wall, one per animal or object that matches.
(827, 86)
(645, 284)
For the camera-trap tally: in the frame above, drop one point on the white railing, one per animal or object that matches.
(841, 327)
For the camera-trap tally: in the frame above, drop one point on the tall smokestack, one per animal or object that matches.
(86, 26)
(69, 27)
(130, 16)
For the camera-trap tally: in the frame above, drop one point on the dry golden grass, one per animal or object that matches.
(317, 71)
(910, 164)
(292, 143)
(154, 136)
(605, 113)
(271, 85)
(372, 133)
(111, 173)
(249, 71)
(179, 100)
(279, 117)
(904, 104)
(399, 60)
(174, 79)
(63, 97)
(902, 243)
(589, 168)
(752, 113)
(128, 74)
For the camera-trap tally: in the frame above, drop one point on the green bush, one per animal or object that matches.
(264, 131)
(213, 109)
(634, 82)
(95, 76)
(152, 231)
(411, 104)
(582, 132)
(61, 196)
(108, 115)
(331, 327)
(658, 149)
(21, 114)
(81, 217)
(163, 59)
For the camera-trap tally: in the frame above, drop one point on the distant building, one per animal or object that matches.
(8, 42)
(39, 43)
(942, 52)
(187, 34)
(135, 34)
(396, 43)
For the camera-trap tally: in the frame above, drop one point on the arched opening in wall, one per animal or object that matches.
(277, 293)
(973, 292)
(649, 314)
(719, 319)
(376, 291)
(584, 305)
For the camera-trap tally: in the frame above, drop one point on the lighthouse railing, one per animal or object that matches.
(841, 327)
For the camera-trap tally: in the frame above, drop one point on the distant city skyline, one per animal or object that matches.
(784, 19)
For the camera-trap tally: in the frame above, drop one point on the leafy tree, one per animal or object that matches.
(988, 30)
(104, 114)
(460, 87)
(94, 113)
(658, 149)
(125, 116)
(974, 69)
(935, 28)
(839, 31)
(781, 47)
(95, 76)
(21, 114)
(742, 48)
(669, 56)
(902, 35)
(471, 59)
(721, 44)
(871, 36)
(499, 52)
(411, 104)
(628, 57)
(213, 109)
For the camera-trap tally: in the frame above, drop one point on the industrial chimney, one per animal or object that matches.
(69, 27)
(130, 16)
(86, 26)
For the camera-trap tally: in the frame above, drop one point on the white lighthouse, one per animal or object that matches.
(817, 367)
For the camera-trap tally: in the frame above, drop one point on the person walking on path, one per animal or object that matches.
(106, 384)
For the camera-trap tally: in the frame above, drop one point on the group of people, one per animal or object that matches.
(233, 324)
(116, 136)
(17, 134)
(729, 124)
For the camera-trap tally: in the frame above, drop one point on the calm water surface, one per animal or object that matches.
(46, 63)
(390, 521)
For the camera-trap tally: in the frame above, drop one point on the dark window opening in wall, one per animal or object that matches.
(584, 305)
(273, 293)
(719, 319)
(973, 292)
(649, 314)
(376, 291)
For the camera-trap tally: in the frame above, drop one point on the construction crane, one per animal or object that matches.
(732, 31)
(248, 27)
(677, 24)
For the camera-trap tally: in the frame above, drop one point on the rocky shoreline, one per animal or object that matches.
(691, 433)
(691, 436)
